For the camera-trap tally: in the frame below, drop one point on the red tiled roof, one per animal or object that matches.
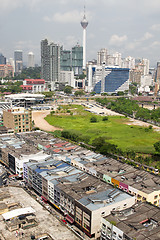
(60, 144)
(70, 148)
(35, 81)
(48, 146)
(56, 150)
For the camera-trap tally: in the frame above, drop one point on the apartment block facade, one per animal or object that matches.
(18, 119)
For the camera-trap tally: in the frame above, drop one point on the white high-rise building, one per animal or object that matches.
(102, 56)
(31, 60)
(146, 66)
(84, 24)
(128, 62)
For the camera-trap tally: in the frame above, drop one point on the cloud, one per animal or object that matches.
(117, 41)
(70, 41)
(9, 5)
(67, 17)
(155, 27)
(146, 36)
(155, 44)
(26, 45)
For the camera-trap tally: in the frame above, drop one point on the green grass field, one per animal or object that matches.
(126, 137)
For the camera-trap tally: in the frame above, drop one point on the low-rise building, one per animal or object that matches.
(33, 85)
(81, 197)
(6, 71)
(143, 184)
(141, 221)
(15, 151)
(24, 99)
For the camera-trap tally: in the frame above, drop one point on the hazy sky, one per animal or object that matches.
(131, 27)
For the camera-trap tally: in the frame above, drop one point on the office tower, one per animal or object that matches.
(77, 60)
(84, 24)
(31, 60)
(2, 59)
(18, 59)
(50, 64)
(102, 56)
(108, 79)
(65, 60)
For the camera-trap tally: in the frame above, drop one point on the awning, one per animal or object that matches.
(69, 219)
(44, 199)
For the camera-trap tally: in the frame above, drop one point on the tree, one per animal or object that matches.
(98, 142)
(93, 119)
(68, 89)
(157, 146)
(105, 118)
(79, 93)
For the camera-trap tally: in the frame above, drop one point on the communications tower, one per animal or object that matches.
(84, 24)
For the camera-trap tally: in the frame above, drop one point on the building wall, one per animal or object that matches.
(109, 231)
(97, 214)
(6, 71)
(20, 120)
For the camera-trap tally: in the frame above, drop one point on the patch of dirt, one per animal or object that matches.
(141, 123)
(41, 123)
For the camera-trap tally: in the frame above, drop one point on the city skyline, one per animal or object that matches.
(123, 26)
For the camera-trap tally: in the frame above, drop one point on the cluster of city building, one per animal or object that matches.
(60, 67)
(102, 196)
(13, 66)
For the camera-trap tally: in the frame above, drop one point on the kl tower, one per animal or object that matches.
(84, 24)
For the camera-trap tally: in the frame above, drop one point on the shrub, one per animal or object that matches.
(105, 118)
(93, 119)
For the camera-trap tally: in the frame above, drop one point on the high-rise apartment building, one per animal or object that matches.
(18, 59)
(19, 119)
(31, 60)
(50, 63)
(102, 56)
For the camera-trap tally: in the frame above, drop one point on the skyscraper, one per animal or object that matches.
(84, 24)
(2, 59)
(77, 59)
(18, 59)
(50, 63)
(31, 60)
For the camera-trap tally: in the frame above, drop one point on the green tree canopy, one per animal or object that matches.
(68, 89)
(79, 93)
(157, 146)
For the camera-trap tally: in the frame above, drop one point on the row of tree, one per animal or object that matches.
(128, 107)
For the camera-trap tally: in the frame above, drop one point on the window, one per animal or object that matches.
(155, 197)
(155, 202)
(103, 225)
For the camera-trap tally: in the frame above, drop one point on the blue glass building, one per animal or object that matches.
(116, 79)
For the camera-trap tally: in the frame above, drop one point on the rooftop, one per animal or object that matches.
(139, 222)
